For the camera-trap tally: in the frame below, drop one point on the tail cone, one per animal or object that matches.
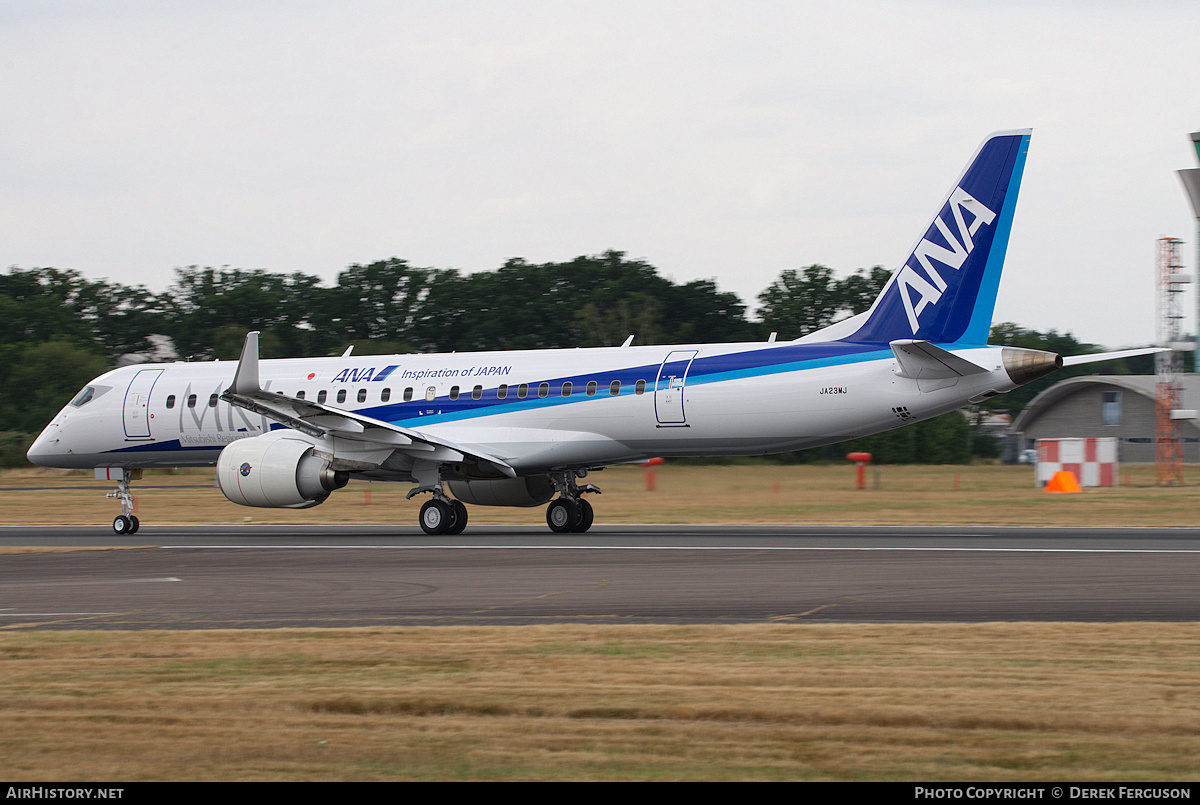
(1024, 365)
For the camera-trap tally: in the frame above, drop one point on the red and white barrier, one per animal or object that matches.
(1093, 461)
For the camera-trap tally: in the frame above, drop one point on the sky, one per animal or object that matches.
(714, 140)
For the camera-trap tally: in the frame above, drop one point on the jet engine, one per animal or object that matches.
(276, 471)
(532, 491)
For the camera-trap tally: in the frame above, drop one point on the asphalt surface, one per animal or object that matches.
(255, 576)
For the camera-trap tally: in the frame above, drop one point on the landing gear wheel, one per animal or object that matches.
(135, 522)
(124, 525)
(460, 517)
(561, 515)
(583, 518)
(436, 517)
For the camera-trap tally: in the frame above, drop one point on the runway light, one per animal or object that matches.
(861, 460)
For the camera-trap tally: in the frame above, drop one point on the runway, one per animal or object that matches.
(255, 576)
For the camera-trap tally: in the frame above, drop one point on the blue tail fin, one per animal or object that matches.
(946, 290)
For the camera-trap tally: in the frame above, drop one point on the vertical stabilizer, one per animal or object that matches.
(945, 291)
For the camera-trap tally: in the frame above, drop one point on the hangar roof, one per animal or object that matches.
(1139, 384)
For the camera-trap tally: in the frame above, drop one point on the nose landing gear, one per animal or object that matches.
(126, 522)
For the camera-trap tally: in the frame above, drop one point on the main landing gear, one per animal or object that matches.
(126, 522)
(565, 515)
(443, 515)
(570, 514)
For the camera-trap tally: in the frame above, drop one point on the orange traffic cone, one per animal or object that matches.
(1063, 481)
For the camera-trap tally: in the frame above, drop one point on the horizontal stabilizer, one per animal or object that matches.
(921, 359)
(1075, 360)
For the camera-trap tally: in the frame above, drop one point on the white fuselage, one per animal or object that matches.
(622, 404)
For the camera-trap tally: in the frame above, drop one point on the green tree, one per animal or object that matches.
(41, 379)
(804, 301)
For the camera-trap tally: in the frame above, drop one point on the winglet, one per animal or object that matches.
(245, 380)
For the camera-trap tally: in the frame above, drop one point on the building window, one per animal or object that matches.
(1110, 409)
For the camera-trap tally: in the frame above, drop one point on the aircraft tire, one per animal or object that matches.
(460, 518)
(561, 515)
(123, 524)
(136, 525)
(583, 520)
(436, 517)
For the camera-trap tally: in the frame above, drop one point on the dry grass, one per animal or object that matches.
(807, 495)
(812, 702)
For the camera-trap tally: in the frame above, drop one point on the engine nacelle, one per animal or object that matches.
(533, 491)
(276, 470)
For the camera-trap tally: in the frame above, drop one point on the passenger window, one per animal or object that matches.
(523, 390)
(454, 392)
(502, 392)
(408, 394)
(362, 395)
(170, 400)
(300, 394)
(321, 396)
(385, 395)
(566, 389)
(191, 401)
(591, 388)
(431, 393)
(544, 390)
(477, 392)
(341, 395)
(640, 388)
(615, 388)
(212, 400)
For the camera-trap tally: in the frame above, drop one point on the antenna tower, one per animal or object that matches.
(1168, 365)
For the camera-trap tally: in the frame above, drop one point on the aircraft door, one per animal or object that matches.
(136, 414)
(668, 388)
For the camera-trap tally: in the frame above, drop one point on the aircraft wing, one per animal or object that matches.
(319, 420)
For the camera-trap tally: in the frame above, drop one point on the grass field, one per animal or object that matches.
(909, 495)
(1038, 702)
(797, 701)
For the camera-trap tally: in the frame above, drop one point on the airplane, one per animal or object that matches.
(524, 428)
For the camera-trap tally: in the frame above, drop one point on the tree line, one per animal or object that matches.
(61, 329)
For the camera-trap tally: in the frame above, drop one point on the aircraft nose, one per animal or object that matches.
(45, 447)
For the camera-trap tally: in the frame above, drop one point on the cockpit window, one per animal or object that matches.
(84, 397)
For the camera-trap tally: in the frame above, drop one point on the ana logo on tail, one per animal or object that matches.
(930, 290)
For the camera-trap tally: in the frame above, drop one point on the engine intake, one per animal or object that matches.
(276, 471)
